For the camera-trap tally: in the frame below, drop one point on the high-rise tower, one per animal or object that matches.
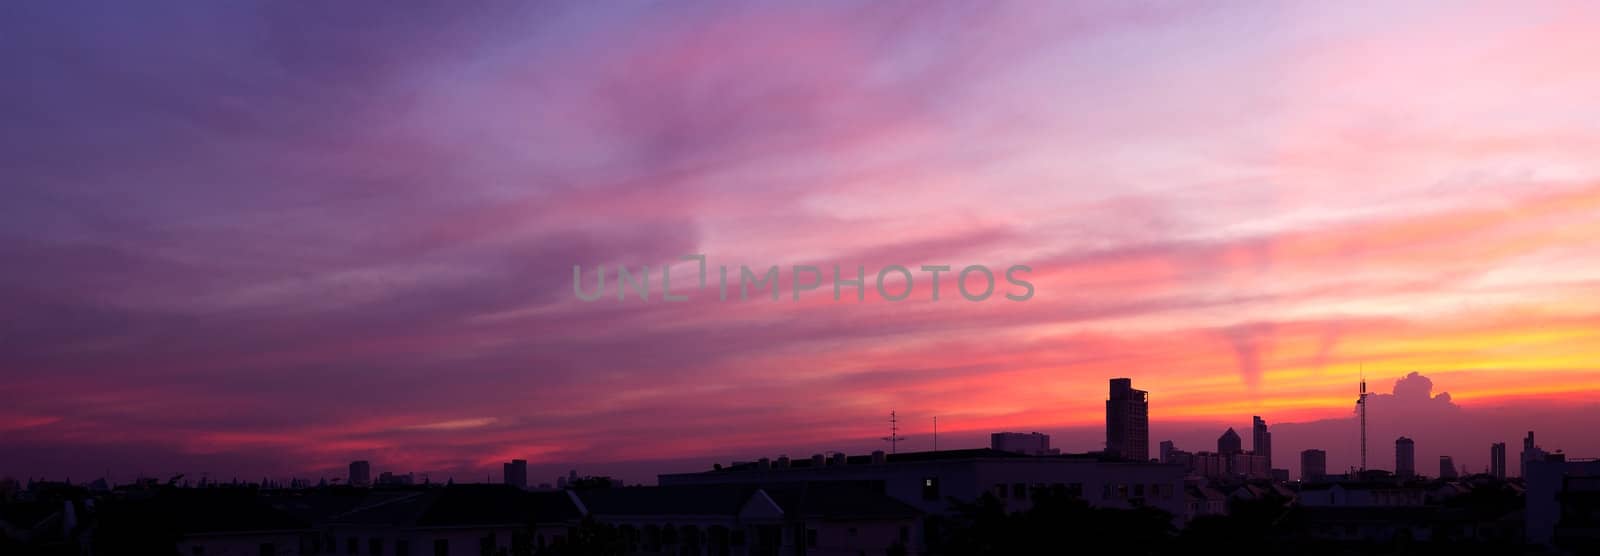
(1497, 460)
(1313, 465)
(360, 473)
(1128, 421)
(515, 473)
(1261, 440)
(1405, 457)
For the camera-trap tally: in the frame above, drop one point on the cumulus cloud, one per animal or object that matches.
(1413, 396)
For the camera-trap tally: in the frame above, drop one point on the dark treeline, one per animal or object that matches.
(1061, 523)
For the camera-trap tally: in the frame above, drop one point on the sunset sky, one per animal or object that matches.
(269, 240)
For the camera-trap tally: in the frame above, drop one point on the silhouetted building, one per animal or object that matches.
(1497, 460)
(1032, 444)
(1313, 465)
(462, 519)
(1578, 530)
(1561, 495)
(1248, 465)
(1128, 421)
(1447, 468)
(1405, 458)
(830, 517)
(1530, 452)
(515, 473)
(1229, 443)
(930, 481)
(1171, 454)
(360, 473)
(214, 521)
(1233, 464)
(1360, 494)
(1203, 500)
(1210, 465)
(1261, 439)
(396, 479)
(1231, 461)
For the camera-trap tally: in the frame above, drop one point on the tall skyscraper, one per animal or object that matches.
(1166, 451)
(1405, 457)
(1497, 460)
(515, 473)
(1229, 443)
(1261, 440)
(1530, 452)
(1447, 468)
(360, 473)
(1128, 421)
(1313, 465)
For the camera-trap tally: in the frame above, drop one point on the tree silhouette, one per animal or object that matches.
(1057, 522)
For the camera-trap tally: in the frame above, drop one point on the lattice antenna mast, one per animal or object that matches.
(894, 432)
(1361, 408)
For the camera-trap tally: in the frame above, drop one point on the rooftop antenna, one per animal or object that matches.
(894, 431)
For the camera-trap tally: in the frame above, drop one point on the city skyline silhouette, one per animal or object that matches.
(1438, 427)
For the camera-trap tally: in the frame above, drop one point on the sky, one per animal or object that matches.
(244, 240)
